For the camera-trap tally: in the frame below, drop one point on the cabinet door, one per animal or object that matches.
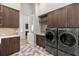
(52, 19)
(5, 17)
(77, 14)
(1, 10)
(40, 40)
(1, 21)
(10, 45)
(1, 16)
(71, 13)
(16, 19)
(62, 17)
(13, 18)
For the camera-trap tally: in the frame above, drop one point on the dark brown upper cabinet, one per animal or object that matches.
(58, 18)
(71, 16)
(1, 21)
(9, 17)
(13, 18)
(62, 17)
(67, 16)
(5, 17)
(1, 15)
(77, 14)
(52, 19)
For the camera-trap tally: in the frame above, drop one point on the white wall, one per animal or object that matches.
(27, 8)
(38, 28)
(13, 5)
(22, 25)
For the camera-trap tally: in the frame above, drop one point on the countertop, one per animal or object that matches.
(41, 34)
(8, 36)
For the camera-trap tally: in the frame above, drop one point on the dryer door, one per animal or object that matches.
(68, 39)
(49, 36)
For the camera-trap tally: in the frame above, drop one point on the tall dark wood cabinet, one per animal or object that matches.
(9, 18)
(40, 40)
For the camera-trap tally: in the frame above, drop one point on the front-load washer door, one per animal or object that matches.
(49, 36)
(68, 43)
(68, 39)
(51, 39)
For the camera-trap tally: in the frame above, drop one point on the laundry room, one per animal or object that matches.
(39, 29)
